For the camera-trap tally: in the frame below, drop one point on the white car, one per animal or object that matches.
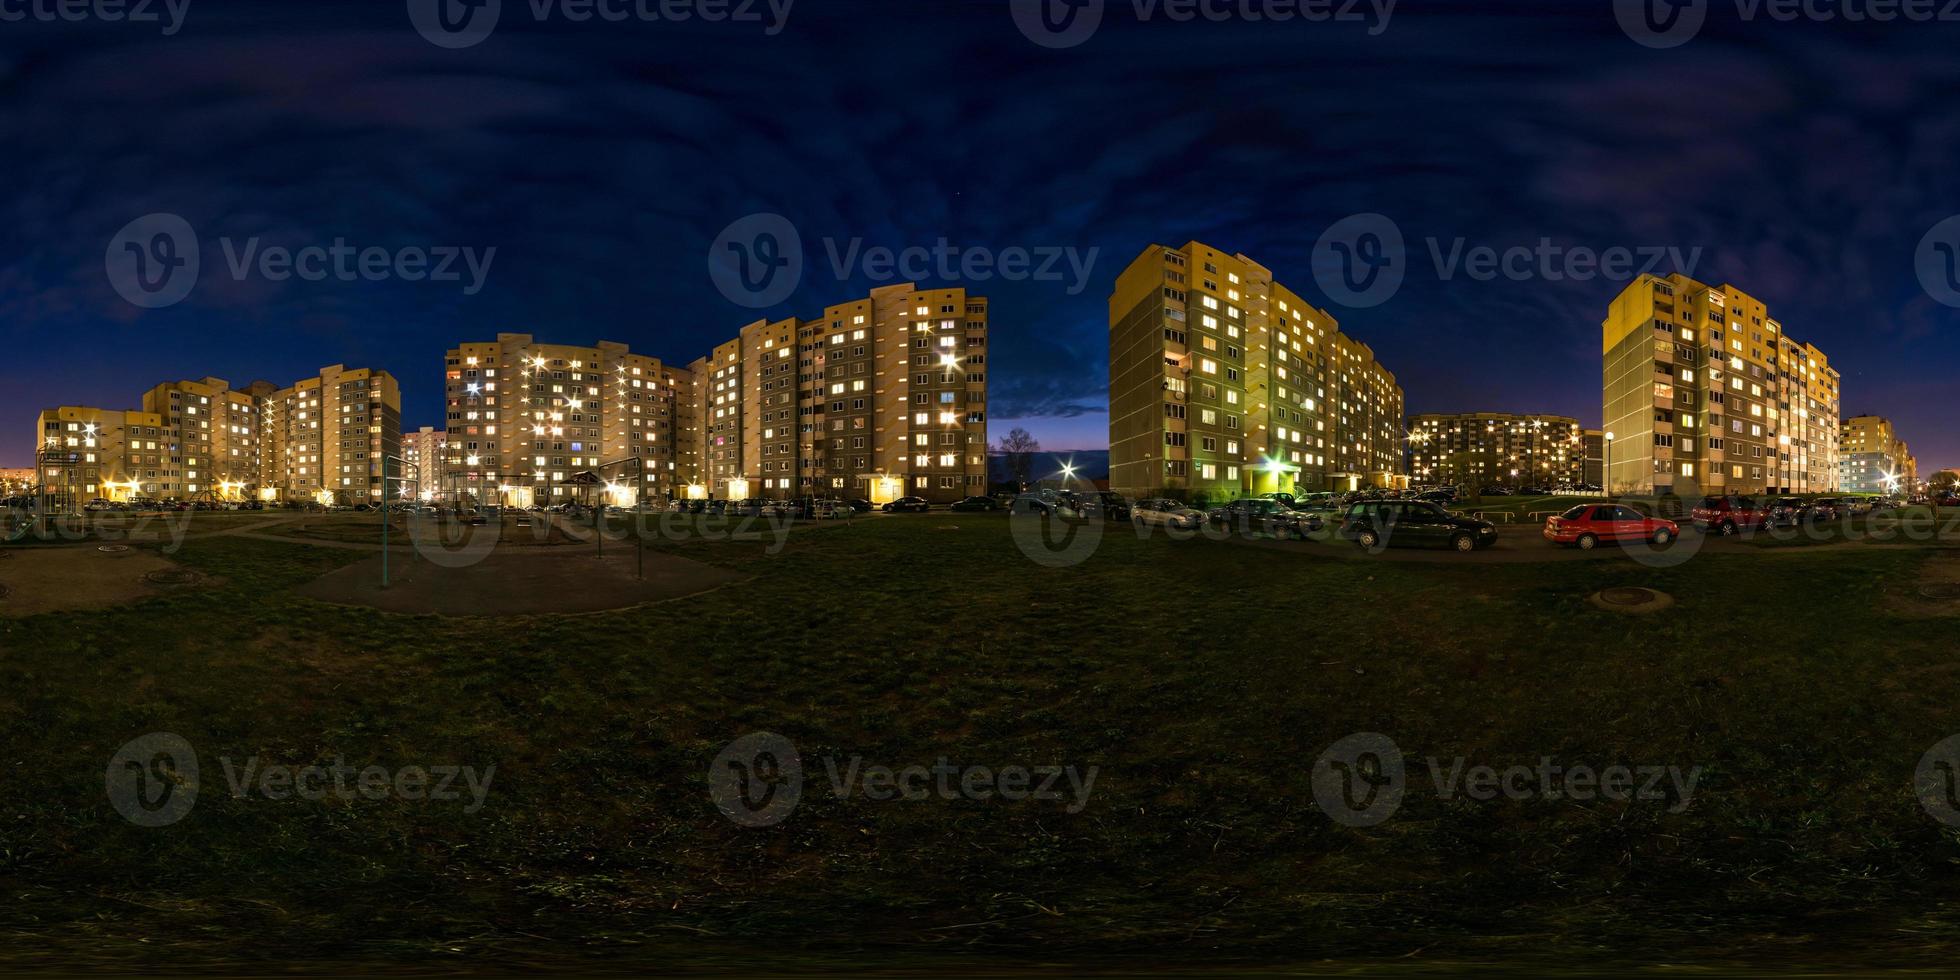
(1164, 512)
(833, 510)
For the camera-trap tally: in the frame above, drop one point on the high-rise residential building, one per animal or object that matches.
(1223, 381)
(87, 453)
(422, 452)
(1704, 393)
(526, 419)
(1595, 441)
(1483, 448)
(323, 438)
(217, 436)
(329, 438)
(1874, 459)
(878, 397)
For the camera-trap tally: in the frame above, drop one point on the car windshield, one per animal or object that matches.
(1574, 514)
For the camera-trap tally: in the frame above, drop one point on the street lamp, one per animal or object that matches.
(1607, 487)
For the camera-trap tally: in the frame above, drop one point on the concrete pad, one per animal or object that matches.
(527, 582)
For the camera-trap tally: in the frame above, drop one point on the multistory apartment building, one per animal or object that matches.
(114, 454)
(323, 438)
(531, 423)
(329, 437)
(1874, 459)
(1223, 381)
(216, 432)
(1483, 448)
(877, 397)
(1595, 443)
(422, 454)
(1704, 393)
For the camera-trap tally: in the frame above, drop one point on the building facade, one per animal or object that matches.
(1704, 393)
(1223, 381)
(879, 397)
(323, 438)
(1874, 459)
(1484, 448)
(422, 456)
(525, 419)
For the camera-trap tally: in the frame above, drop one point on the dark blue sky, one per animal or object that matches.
(1804, 161)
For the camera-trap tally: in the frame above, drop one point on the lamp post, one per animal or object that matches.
(1607, 476)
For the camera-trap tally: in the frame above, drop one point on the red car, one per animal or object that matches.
(1588, 524)
(1947, 500)
(1728, 515)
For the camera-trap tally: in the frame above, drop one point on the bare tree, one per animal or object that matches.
(1019, 447)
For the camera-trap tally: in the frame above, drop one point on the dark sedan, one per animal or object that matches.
(1414, 524)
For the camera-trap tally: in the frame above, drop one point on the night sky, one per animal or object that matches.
(1804, 162)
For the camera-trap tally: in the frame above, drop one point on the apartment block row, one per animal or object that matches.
(1704, 393)
(323, 438)
(878, 397)
(1490, 448)
(1224, 381)
(1873, 459)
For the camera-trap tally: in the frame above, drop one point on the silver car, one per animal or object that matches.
(1165, 512)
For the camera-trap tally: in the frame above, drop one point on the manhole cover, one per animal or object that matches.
(171, 576)
(6, 556)
(4, 590)
(113, 549)
(1630, 599)
(1627, 596)
(1943, 591)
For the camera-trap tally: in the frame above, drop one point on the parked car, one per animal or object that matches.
(97, 504)
(1587, 525)
(975, 504)
(860, 505)
(1730, 515)
(1438, 496)
(1536, 490)
(831, 510)
(1103, 503)
(1828, 508)
(1497, 491)
(1260, 514)
(1413, 524)
(1165, 512)
(908, 505)
(1048, 503)
(1947, 500)
(1791, 511)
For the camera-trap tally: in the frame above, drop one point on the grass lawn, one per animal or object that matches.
(1201, 678)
